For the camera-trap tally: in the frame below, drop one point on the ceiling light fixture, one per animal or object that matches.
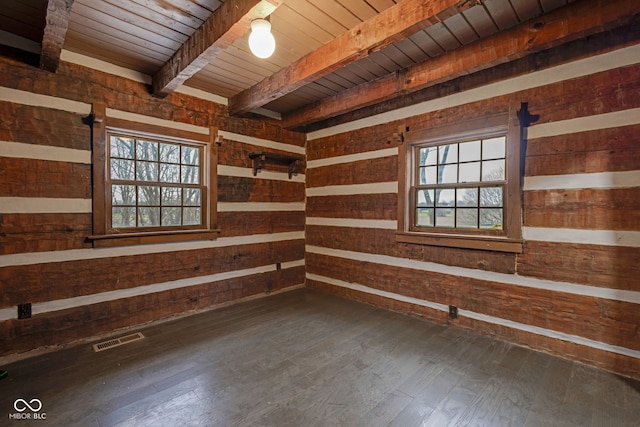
(261, 41)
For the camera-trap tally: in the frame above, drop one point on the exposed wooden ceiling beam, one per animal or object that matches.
(574, 21)
(389, 26)
(55, 30)
(231, 21)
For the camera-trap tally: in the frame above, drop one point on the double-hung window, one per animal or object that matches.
(155, 184)
(460, 186)
(152, 184)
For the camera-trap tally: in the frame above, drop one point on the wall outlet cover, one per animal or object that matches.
(453, 312)
(24, 311)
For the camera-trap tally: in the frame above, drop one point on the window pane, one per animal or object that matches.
(445, 197)
(191, 216)
(171, 216)
(191, 197)
(169, 173)
(146, 150)
(171, 196)
(146, 171)
(491, 219)
(467, 197)
(148, 217)
(121, 147)
(470, 151)
(494, 148)
(493, 170)
(447, 174)
(491, 196)
(148, 196)
(425, 198)
(448, 153)
(190, 156)
(444, 217)
(424, 217)
(122, 169)
(428, 156)
(123, 195)
(156, 183)
(470, 172)
(467, 218)
(170, 153)
(190, 175)
(123, 217)
(428, 175)
(460, 184)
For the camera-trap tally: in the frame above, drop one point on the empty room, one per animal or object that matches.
(320, 213)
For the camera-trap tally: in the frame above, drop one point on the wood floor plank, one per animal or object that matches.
(304, 358)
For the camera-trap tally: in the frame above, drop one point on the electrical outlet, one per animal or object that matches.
(453, 312)
(24, 311)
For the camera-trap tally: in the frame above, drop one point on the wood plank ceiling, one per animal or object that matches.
(326, 49)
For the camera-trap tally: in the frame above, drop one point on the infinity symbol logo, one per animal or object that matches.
(21, 405)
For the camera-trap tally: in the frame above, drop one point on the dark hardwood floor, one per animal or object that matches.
(303, 358)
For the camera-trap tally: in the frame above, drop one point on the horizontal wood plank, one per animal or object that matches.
(248, 223)
(614, 90)
(82, 84)
(585, 152)
(384, 169)
(264, 129)
(601, 266)
(564, 312)
(589, 209)
(24, 233)
(57, 327)
(359, 141)
(87, 277)
(235, 153)
(42, 178)
(358, 206)
(383, 242)
(43, 126)
(625, 365)
(237, 189)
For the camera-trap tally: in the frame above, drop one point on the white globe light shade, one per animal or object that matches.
(261, 41)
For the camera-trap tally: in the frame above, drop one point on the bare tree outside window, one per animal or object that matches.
(461, 184)
(154, 184)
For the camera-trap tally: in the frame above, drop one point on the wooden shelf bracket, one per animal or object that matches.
(261, 158)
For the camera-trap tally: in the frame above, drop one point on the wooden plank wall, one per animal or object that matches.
(45, 213)
(575, 290)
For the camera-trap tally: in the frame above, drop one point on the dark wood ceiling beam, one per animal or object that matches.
(55, 30)
(389, 26)
(574, 21)
(231, 21)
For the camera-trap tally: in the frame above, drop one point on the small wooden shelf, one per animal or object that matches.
(261, 158)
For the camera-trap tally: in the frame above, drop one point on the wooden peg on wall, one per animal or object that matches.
(398, 137)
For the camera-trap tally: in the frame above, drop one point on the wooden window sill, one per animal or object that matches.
(486, 243)
(129, 239)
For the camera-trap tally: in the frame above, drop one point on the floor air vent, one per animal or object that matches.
(117, 342)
